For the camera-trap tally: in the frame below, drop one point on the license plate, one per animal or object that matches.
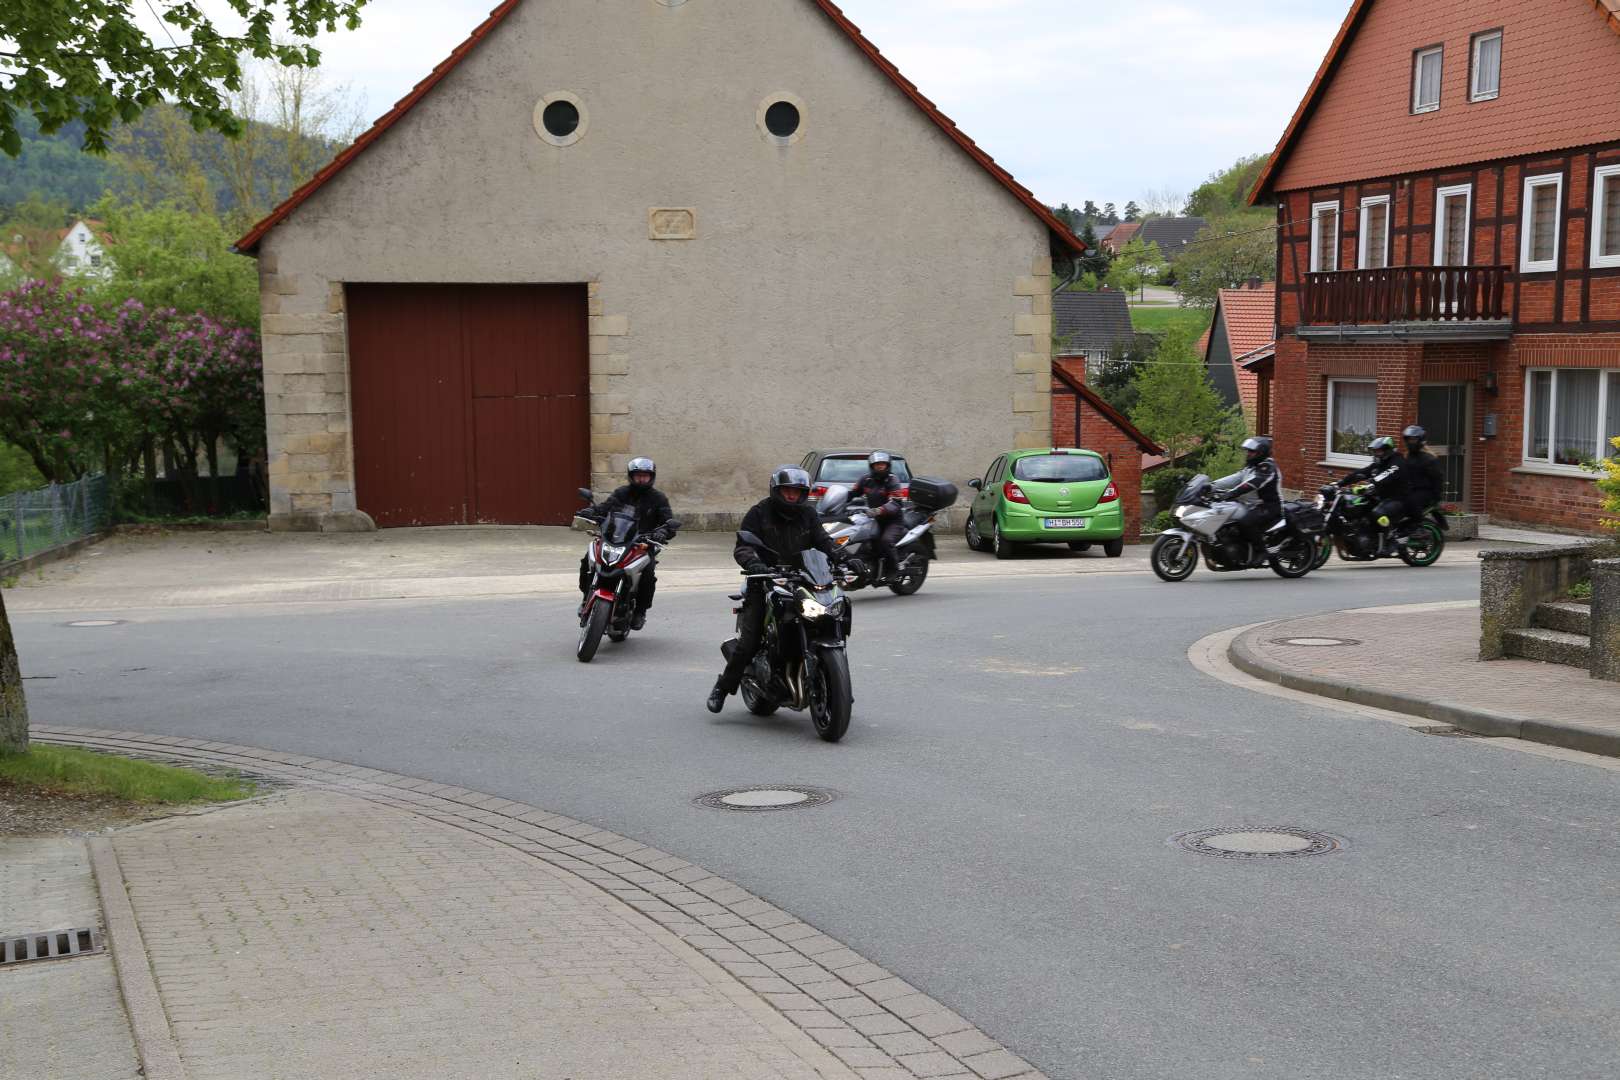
(1065, 523)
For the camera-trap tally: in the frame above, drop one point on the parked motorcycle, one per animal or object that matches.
(1207, 524)
(618, 556)
(801, 663)
(1351, 530)
(855, 528)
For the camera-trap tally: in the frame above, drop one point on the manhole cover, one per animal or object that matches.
(1257, 842)
(1315, 642)
(50, 945)
(766, 797)
(96, 622)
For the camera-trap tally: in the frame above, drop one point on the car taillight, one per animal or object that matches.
(904, 492)
(1013, 493)
(817, 492)
(1110, 493)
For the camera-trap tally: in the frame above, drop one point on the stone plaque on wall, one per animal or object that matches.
(671, 223)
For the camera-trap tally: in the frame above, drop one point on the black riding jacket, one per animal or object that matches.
(785, 530)
(1424, 478)
(1388, 477)
(649, 504)
(882, 494)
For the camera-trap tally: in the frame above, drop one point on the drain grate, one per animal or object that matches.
(766, 797)
(1315, 642)
(1257, 842)
(51, 945)
(1446, 731)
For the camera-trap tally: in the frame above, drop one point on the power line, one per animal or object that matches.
(161, 23)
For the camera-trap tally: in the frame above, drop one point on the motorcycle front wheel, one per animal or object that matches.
(590, 632)
(1295, 560)
(1424, 546)
(831, 698)
(1167, 564)
(911, 580)
(1324, 552)
(756, 700)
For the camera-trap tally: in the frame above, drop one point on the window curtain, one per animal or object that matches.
(1429, 80)
(1611, 422)
(1377, 235)
(1575, 441)
(1611, 215)
(1540, 407)
(1456, 244)
(1488, 67)
(1543, 222)
(1355, 417)
(1327, 240)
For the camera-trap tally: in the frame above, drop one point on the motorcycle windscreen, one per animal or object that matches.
(619, 528)
(1194, 489)
(1058, 482)
(817, 567)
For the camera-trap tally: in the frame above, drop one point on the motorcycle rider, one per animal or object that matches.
(787, 524)
(1262, 479)
(1387, 474)
(1425, 481)
(653, 516)
(881, 490)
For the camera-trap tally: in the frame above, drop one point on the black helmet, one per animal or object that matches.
(1415, 437)
(787, 478)
(1257, 448)
(640, 465)
(880, 457)
(1382, 447)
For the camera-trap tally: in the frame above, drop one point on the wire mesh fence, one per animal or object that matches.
(36, 521)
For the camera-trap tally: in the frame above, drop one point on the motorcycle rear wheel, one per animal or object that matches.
(1295, 560)
(831, 698)
(912, 580)
(1165, 562)
(590, 632)
(1424, 546)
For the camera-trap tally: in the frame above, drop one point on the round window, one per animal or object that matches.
(561, 118)
(782, 119)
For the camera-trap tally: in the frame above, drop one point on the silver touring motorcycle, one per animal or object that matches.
(1206, 524)
(854, 528)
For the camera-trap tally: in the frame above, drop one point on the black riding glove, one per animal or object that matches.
(757, 567)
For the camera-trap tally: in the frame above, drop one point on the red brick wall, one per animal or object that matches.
(1099, 434)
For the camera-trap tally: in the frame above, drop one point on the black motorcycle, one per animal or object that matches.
(617, 558)
(1352, 531)
(801, 663)
(1207, 524)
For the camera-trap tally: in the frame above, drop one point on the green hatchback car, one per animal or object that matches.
(1046, 497)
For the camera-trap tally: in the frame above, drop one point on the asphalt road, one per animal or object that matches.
(1021, 752)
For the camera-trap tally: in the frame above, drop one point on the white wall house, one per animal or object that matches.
(81, 254)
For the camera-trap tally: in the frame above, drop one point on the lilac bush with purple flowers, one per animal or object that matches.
(85, 386)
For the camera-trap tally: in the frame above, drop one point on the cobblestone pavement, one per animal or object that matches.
(58, 1018)
(366, 924)
(1430, 653)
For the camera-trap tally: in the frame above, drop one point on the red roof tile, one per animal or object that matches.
(1060, 232)
(1251, 317)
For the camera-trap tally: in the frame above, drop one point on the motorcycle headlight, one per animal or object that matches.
(1179, 512)
(812, 609)
(1321, 501)
(612, 554)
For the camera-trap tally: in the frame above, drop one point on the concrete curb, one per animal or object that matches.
(874, 1022)
(1470, 718)
(18, 567)
(154, 1041)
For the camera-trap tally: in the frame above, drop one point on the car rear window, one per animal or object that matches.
(847, 470)
(1059, 469)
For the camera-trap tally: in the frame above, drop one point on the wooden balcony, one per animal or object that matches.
(1471, 297)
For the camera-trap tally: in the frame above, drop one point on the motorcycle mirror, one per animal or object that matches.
(672, 524)
(751, 540)
(975, 483)
(585, 493)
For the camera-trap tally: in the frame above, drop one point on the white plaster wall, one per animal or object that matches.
(853, 288)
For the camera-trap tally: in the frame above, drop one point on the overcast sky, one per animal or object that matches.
(1077, 98)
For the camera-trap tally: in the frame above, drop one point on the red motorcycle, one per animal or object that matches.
(618, 556)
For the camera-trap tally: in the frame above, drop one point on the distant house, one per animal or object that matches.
(1103, 232)
(1244, 330)
(1172, 234)
(1089, 324)
(1119, 235)
(80, 253)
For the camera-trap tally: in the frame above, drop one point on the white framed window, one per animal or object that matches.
(1324, 237)
(1485, 67)
(1426, 68)
(1570, 416)
(1538, 229)
(1606, 216)
(1453, 224)
(1373, 246)
(1352, 410)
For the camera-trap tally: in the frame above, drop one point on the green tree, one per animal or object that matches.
(1233, 249)
(1115, 378)
(1090, 212)
(1110, 216)
(1177, 406)
(172, 257)
(1227, 189)
(1136, 262)
(1132, 211)
(17, 472)
(67, 60)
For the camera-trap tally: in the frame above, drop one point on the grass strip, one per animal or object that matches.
(66, 770)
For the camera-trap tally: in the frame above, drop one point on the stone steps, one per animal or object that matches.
(1569, 617)
(1548, 646)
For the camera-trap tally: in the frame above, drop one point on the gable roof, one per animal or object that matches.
(1107, 411)
(1251, 318)
(1172, 234)
(1060, 232)
(1609, 9)
(1121, 234)
(1090, 321)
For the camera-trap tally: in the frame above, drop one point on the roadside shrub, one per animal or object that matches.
(1166, 483)
(1162, 521)
(1609, 485)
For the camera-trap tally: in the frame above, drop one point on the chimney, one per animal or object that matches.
(1253, 283)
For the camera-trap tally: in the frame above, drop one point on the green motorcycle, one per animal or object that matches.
(1352, 531)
